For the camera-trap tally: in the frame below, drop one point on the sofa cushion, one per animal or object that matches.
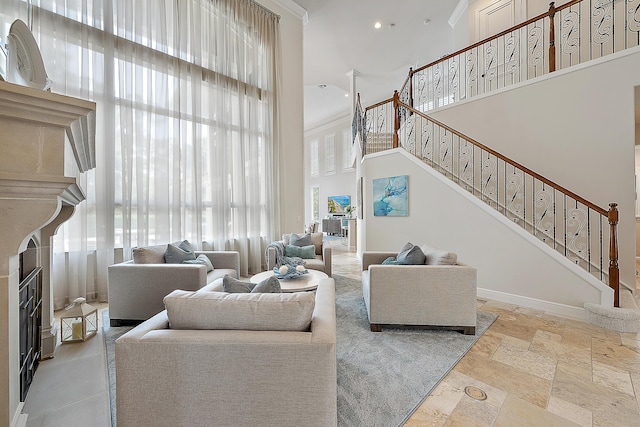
(149, 254)
(305, 252)
(240, 311)
(411, 256)
(300, 239)
(201, 259)
(270, 285)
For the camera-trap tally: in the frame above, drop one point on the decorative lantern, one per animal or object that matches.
(79, 322)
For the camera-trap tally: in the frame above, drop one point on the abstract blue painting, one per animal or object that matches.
(390, 196)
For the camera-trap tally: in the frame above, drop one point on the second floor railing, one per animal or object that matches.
(583, 232)
(576, 32)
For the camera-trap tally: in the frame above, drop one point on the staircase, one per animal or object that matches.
(576, 228)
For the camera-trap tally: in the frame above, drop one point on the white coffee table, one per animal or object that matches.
(306, 282)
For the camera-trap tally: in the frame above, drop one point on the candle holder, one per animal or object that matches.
(79, 322)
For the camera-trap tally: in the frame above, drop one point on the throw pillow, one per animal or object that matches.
(177, 254)
(405, 247)
(201, 259)
(391, 261)
(235, 286)
(305, 252)
(413, 256)
(270, 285)
(316, 239)
(149, 254)
(441, 257)
(300, 240)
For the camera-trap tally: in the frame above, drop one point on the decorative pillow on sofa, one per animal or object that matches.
(255, 312)
(235, 286)
(201, 259)
(304, 252)
(149, 254)
(411, 255)
(300, 239)
(176, 254)
(438, 256)
(391, 261)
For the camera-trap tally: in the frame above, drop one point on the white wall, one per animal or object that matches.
(575, 127)
(291, 118)
(342, 181)
(513, 266)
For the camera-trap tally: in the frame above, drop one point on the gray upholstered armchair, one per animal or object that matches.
(419, 295)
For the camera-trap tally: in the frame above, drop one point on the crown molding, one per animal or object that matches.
(294, 8)
(457, 12)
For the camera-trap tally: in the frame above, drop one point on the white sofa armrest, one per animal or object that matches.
(136, 290)
(223, 259)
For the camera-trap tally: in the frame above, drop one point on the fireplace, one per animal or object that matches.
(30, 300)
(47, 142)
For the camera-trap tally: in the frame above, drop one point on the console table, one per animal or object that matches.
(332, 225)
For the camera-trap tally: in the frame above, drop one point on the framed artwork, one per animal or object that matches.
(338, 204)
(390, 196)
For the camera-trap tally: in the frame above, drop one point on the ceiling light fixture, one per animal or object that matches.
(377, 25)
(323, 86)
(427, 21)
(346, 95)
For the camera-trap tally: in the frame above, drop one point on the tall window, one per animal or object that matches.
(314, 169)
(315, 203)
(347, 149)
(330, 154)
(186, 93)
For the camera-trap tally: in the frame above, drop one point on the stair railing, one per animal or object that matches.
(576, 32)
(564, 221)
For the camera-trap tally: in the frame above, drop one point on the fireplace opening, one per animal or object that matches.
(30, 294)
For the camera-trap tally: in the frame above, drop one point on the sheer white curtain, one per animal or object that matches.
(187, 133)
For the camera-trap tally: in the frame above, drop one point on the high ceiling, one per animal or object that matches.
(340, 37)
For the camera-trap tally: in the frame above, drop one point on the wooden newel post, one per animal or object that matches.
(411, 87)
(614, 271)
(552, 37)
(396, 118)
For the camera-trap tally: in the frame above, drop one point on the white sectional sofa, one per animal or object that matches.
(230, 377)
(136, 289)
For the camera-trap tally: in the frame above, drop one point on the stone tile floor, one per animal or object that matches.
(536, 369)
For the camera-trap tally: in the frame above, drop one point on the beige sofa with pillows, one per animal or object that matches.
(419, 286)
(299, 245)
(231, 359)
(137, 287)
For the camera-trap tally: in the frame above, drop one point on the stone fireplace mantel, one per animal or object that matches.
(46, 142)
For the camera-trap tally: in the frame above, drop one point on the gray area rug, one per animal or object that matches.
(382, 377)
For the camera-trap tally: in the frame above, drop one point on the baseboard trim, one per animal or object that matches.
(19, 419)
(550, 307)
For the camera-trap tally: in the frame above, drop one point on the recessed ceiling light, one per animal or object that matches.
(346, 95)
(377, 25)
(427, 21)
(323, 86)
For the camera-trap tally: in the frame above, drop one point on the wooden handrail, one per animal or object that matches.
(513, 163)
(386, 101)
(488, 39)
